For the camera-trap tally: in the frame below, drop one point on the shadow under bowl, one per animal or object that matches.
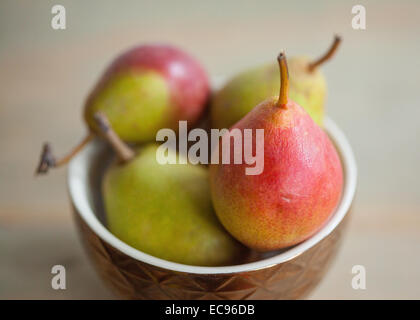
(132, 274)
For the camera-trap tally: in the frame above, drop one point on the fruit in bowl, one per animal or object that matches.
(163, 210)
(291, 273)
(245, 90)
(299, 187)
(161, 237)
(144, 89)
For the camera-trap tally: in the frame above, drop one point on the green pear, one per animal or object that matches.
(165, 210)
(249, 88)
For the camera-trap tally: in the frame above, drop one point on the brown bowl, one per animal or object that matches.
(286, 274)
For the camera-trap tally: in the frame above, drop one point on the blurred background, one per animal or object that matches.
(45, 75)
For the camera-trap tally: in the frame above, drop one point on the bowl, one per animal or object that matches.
(132, 274)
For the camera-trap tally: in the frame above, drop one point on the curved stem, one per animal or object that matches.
(123, 151)
(48, 160)
(312, 66)
(284, 80)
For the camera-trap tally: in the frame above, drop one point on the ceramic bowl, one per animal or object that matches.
(132, 274)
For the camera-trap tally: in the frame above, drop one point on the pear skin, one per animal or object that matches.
(166, 211)
(249, 88)
(143, 90)
(148, 88)
(136, 103)
(299, 188)
(243, 92)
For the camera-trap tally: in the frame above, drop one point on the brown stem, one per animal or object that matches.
(48, 160)
(284, 80)
(123, 151)
(312, 66)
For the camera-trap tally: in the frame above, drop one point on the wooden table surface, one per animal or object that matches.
(374, 85)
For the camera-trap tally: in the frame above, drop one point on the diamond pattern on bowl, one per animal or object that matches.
(134, 279)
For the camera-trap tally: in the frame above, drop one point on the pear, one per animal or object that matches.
(299, 188)
(164, 210)
(144, 89)
(247, 89)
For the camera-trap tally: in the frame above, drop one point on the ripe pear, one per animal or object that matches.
(247, 89)
(145, 89)
(165, 210)
(299, 188)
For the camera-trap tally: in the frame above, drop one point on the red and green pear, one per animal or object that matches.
(299, 187)
(145, 89)
(148, 88)
(244, 91)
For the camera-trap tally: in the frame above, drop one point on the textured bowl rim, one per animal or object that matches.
(77, 182)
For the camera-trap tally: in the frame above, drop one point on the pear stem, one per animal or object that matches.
(48, 160)
(284, 80)
(123, 151)
(312, 66)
